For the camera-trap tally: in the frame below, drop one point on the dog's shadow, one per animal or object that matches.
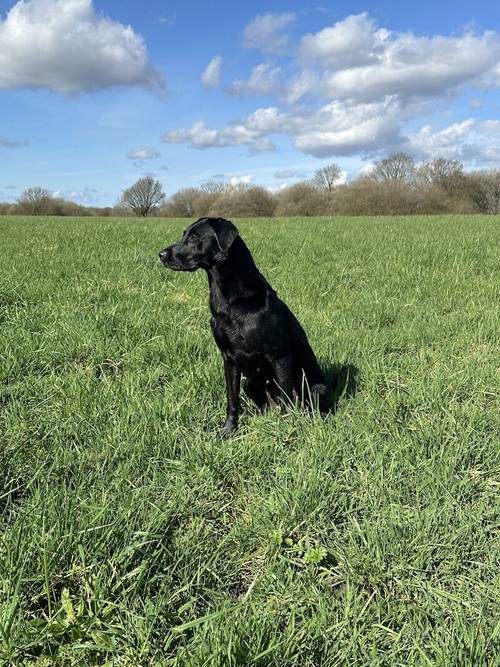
(342, 383)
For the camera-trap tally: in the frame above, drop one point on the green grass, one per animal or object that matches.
(131, 535)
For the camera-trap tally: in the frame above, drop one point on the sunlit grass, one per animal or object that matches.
(130, 534)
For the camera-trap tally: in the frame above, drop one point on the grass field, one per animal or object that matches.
(131, 535)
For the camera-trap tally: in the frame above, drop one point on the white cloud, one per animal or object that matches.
(335, 129)
(84, 196)
(278, 188)
(65, 46)
(358, 85)
(342, 178)
(444, 143)
(345, 129)
(247, 179)
(143, 154)
(471, 141)
(340, 128)
(306, 82)
(408, 66)
(351, 42)
(249, 132)
(365, 170)
(265, 32)
(211, 76)
(263, 81)
(490, 128)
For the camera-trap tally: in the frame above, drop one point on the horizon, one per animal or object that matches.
(238, 94)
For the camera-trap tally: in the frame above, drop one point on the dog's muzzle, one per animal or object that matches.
(165, 255)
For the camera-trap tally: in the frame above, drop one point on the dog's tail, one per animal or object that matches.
(314, 393)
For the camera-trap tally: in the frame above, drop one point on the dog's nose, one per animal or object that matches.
(164, 254)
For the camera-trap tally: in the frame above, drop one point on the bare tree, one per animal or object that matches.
(398, 167)
(215, 186)
(35, 201)
(327, 177)
(144, 196)
(441, 171)
(486, 191)
(251, 202)
(181, 204)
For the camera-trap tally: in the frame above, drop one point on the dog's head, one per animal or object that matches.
(204, 244)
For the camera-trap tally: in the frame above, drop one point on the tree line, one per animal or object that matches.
(395, 186)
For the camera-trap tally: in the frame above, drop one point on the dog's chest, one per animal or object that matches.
(235, 340)
(227, 331)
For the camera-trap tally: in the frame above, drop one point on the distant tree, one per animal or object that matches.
(301, 199)
(441, 171)
(327, 177)
(250, 202)
(35, 201)
(398, 167)
(486, 191)
(144, 196)
(181, 204)
(214, 186)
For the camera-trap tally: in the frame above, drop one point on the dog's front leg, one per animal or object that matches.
(233, 378)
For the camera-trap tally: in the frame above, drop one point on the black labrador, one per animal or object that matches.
(255, 331)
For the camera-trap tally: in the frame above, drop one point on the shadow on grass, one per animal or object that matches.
(342, 383)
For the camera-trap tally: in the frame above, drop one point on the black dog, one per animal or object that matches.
(255, 331)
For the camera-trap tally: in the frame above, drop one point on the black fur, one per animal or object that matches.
(257, 334)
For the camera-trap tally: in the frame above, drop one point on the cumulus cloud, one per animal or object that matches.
(265, 32)
(470, 140)
(63, 45)
(340, 128)
(211, 76)
(83, 196)
(336, 128)
(360, 61)
(263, 80)
(247, 179)
(415, 67)
(365, 170)
(8, 143)
(248, 132)
(302, 84)
(445, 143)
(143, 154)
(352, 42)
(357, 85)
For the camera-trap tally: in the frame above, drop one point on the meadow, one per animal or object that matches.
(131, 535)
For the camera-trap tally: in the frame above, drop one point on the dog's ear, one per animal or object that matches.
(225, 233)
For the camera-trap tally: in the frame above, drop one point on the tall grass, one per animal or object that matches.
(130, 534)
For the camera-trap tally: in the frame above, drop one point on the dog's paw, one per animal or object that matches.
(228, 428)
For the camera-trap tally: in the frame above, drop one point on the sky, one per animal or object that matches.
(96, 93)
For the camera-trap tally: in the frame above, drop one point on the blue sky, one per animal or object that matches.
(95, 94)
